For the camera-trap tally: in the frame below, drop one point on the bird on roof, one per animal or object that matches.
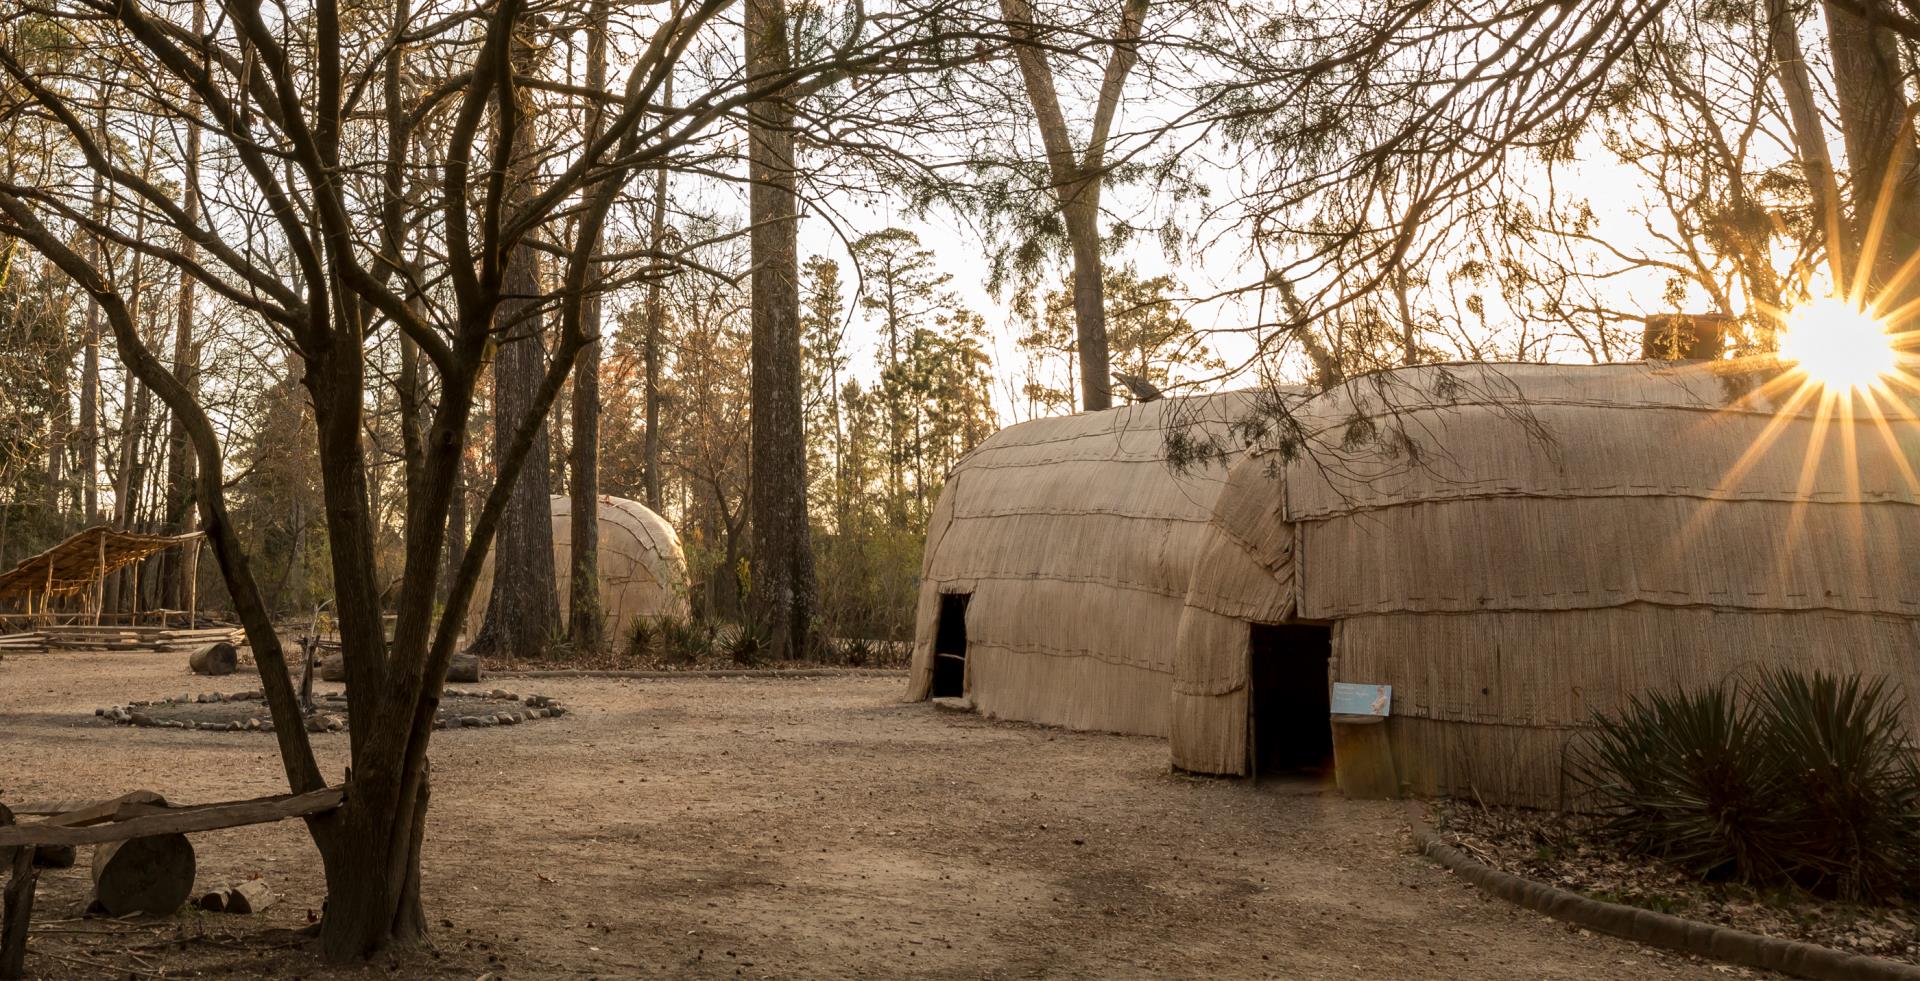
(1141, 389)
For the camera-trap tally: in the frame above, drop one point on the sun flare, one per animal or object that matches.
(1837, 345)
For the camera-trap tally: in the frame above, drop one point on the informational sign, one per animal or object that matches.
(1367, 701)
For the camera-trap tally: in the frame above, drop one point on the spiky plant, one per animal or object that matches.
(1683, 776)
(1850, 814)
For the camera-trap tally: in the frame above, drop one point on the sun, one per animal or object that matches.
(1839, 346)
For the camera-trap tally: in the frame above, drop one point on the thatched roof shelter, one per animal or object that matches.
(79, 563)
(1056, 565)
(643, 572)
(1513, 548)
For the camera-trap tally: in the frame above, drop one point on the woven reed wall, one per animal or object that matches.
(1077, 541)
(643, 572)
(1574, 535)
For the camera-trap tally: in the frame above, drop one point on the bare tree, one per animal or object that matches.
(420, 111)
(1078, 173)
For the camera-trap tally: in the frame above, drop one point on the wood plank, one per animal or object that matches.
(181, 820)
(106, 810)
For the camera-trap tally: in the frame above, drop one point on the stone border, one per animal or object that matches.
(1708, 940)
(704, 673)
(527, 708)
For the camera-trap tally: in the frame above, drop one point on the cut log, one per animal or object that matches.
(333, 667)
(464, 669)
(215, 901)
(214, 659)
(151, 875)
(251, 896)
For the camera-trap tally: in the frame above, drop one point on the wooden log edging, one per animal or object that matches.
(1795, 957)
(704, 674)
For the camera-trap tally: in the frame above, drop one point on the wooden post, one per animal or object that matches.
(100, 576)
(193, 583)
(16, 909)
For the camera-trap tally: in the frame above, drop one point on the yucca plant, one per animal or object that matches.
(684, 641)
(1683, 776)
(1850, 811)
(643, 638)
(1806, 780)
(746, 644)
(856, 652)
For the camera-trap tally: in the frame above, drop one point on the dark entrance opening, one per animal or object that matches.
(950, 646)
(1288, 702)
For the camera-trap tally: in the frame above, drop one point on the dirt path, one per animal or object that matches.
(807, 828)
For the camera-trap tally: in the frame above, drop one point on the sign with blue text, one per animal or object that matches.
(1371, 700)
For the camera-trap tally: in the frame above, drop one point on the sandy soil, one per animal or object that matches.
(793, 828)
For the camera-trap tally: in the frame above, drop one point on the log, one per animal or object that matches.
(214, 659)
(151, 875)
(215, 901)
(251, 896)
(131, 820)
(333, 667)
(464, 669)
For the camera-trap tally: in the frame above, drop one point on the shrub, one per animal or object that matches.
(643, 638)
(1850, 817)
(856, 652)
(1684, 778)
(1808, 780)
(746, 645)
(681, 641)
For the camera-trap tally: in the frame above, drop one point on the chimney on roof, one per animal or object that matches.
(1685, 336)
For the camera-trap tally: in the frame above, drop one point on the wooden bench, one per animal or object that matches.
(141, 814)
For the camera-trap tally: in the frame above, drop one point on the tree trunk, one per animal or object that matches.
(586, 621)
(60, 427)
(1880, 157)
(656, 325)
(524, 610)
(1089, 302)
(179, 494)
(782, 586)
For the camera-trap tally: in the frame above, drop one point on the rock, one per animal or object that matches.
(506, 719)
(469, 721)
(141, 719)
(253, 725)
(333, 667)
(555, 711)
(499, 694)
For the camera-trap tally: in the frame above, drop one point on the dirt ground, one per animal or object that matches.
(792, 828)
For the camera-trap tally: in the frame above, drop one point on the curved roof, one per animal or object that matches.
(643, 572)
(1075, 538)
(1515, 547)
